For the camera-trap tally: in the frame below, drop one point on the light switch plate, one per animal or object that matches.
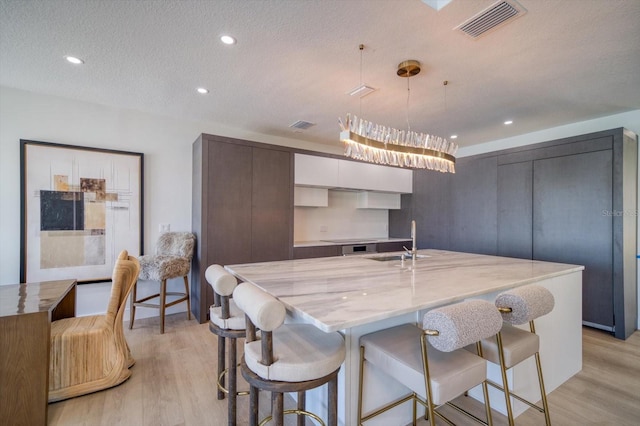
(164, 227)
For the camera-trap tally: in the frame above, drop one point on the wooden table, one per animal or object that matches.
(26, 312)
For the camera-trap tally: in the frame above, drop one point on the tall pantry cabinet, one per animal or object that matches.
(572, 200)
(242, 208)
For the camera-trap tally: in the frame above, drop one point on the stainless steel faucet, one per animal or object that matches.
(414, 249)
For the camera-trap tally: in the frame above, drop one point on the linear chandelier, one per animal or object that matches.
(366, 141)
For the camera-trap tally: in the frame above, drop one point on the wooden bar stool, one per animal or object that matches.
(228, 323)
(432, 361)
(287, 358)
(513, 345)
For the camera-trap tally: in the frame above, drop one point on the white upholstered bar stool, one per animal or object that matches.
(287, 358)
(519, 306)
(227, 322)
(432, 361)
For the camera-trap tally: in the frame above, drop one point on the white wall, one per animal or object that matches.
(342, 219)
(165, 142)
(629, 120)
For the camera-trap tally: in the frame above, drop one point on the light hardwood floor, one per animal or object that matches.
(173, 383)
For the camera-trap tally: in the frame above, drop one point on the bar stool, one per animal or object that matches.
(287, 358)
(514, 345)
(431, 361)
(174, 251)
(227, 322)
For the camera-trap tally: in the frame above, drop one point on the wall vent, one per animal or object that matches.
(301, 125)
(494, 16)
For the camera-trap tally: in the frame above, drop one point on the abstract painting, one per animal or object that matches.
(80, 207)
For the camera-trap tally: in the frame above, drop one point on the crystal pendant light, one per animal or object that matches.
(366, 141)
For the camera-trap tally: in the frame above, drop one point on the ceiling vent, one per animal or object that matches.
(301, 125)
(497, 14)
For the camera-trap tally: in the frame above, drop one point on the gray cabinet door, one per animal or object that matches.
(228, 225)
(431, 210)
(570, 194)
(515, 211)
(271, 205)
(474, 206)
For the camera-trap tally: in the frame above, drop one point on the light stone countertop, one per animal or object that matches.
(336, 293)
(337, 242)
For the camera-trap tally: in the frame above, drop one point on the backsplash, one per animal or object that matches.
(340, 220)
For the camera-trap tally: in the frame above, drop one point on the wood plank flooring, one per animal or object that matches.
(173, 383)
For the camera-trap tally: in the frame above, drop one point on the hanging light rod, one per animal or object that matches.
(364, 140)
(362, 90)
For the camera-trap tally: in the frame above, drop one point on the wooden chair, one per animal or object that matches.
(431, 361)
(287, 358)
(174, 252)
(513, 345)
(228, 323)
(90, 353)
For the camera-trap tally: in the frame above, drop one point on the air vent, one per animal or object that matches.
(492, 17)
(302, 125)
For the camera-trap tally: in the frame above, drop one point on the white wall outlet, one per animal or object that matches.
(164, 227)
(323, 228)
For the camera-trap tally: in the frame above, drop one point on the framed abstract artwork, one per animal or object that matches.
(79, 207)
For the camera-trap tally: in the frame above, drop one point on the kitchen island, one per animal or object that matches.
(360, 294)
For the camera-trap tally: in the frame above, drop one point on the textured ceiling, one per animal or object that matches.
(563, 61)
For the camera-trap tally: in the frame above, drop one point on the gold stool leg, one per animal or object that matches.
(543, 393)
(505, 383)
(360, 384)
(485, 390)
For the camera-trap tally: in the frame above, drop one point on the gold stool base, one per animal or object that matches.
(298, 412)
(225, 390)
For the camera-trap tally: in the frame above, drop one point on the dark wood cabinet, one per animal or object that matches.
(473, 211)
(310, 252)
(271, 205)
(393, 246)
(572, 200)
(242, 208)
(570, 194)
(515, 210)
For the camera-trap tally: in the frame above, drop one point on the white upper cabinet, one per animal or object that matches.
(378, 200)
(373, 177)
(316, 171)
(326, 172)
(304, 196)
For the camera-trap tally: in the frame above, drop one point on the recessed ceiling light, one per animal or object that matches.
(202, 90)
(226, 39)
(454, 136)
(508, 122)
(74, 60)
